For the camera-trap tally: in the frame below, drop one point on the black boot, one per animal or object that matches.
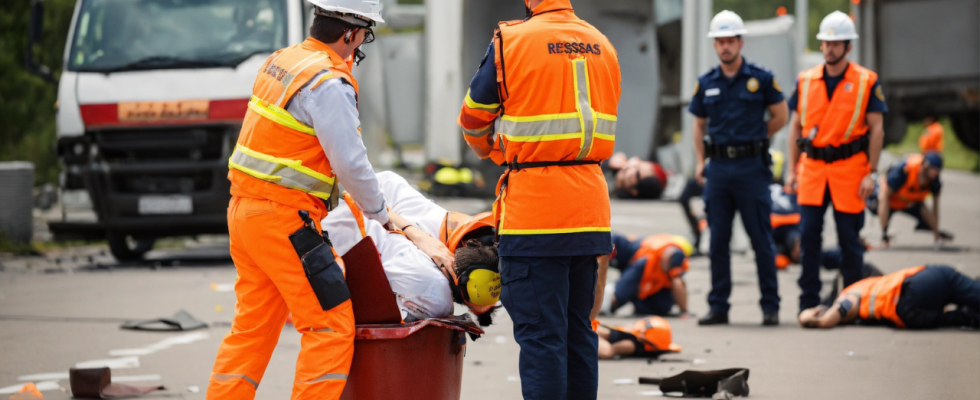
(714, 318)
(770, 319)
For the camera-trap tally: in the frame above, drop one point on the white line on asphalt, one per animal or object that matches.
(42, 386)
(47, 376)
(161, 345)
(113, 363)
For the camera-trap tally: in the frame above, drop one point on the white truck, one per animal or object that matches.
(150, 102)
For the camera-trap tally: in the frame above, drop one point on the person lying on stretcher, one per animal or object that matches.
(435, 257)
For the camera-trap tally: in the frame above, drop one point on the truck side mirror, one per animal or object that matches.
(34, 30)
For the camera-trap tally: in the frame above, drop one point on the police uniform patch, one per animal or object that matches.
(697, 85)
(752, 85)
(775, 84)
(879, 94)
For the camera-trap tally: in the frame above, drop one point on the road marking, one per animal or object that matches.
(113, 363)
(161, 345)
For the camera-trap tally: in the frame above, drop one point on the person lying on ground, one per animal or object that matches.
(914, 298)
(637, 178)
(649, 337)
(435, 257)
(905, 188)
(652, 274)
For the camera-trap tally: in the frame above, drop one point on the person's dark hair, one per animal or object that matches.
(648, 188)
(475, 252)
(328, 30)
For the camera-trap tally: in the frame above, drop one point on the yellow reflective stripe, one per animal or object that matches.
(805, 99)
(542, 127)
(553, 231)
(862, 87)
(279, 116)
(480, 106)
(606, 116)
(542, 138)
(604, 136)
(325, 76)
(542, 117)
(283, 172)
(583, 103)
(228, 377)
(605, 126)
(478, 132)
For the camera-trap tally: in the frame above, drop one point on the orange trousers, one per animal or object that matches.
(271, 284)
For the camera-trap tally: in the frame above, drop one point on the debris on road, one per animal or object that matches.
(29, 391)
(97, 383)
(181, 321)
(734, 381)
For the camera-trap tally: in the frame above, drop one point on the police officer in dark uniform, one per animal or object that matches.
(729, 104)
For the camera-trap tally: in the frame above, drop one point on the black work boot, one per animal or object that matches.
(770, 319)
(714, 318)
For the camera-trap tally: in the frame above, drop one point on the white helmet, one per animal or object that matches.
(357, 12)
(837, 27)
(726, 24)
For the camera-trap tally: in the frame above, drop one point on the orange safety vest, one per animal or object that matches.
(455, 226)
(911, 191)
(880, 294)
(784, 219)
(278, 157)
(834, 122)
(932, 140)
(559, 84)
(654, 277)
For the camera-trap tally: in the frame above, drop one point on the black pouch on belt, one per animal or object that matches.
(325, 275)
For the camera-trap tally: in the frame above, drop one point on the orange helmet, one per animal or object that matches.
(654, 332)
(457, 225)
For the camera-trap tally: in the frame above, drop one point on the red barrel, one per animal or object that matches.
(421, 360)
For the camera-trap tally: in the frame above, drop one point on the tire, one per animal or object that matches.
(126, 248)
(966, 126)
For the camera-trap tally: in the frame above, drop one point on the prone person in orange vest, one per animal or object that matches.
(914, 298)
(652, 274)
(905, 189)
(648, 337)
(299, 137)
(837, 125)
(551, 82)
(932, 138)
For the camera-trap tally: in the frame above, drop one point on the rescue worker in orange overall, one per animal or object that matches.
(652, 274)
(913, 298)
(837, 125)
(648, 337)
(905, 189)
(299, 138)
(932, 138)
(551, 82)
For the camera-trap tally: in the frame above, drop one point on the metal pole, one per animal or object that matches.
(802, 25)
(689, 75)
(443, 78)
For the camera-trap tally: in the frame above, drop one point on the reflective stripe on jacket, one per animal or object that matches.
(880, 294)
(559, 83)
(278, 157)
(911, 191)
(654, 278)
(834, 122)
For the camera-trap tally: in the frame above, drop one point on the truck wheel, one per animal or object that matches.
(127, 248)
(966, 125)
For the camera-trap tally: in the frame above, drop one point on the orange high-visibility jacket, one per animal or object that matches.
(833, 123)
(457, 225)
(559, 84)
(880, 294)
(932, 140)
(277, 157)
(911, 191)
(654, 277)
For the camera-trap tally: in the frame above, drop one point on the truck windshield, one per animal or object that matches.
(124, 35)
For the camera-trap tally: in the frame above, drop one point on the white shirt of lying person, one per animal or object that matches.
(421, 290)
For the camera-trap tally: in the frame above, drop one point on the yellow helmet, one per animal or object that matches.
(684, 244)
(482, 287)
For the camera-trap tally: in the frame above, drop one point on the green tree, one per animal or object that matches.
(27, 102)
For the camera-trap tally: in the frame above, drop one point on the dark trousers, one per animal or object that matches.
(628, 291)
(811, 242)
(549, 299)
(692, 190)
(744, 188)
(926, 294)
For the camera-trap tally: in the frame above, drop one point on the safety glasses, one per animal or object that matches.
(368, 35)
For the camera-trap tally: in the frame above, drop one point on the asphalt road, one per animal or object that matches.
(54, 318)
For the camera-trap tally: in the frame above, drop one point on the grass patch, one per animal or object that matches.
(955, 154)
